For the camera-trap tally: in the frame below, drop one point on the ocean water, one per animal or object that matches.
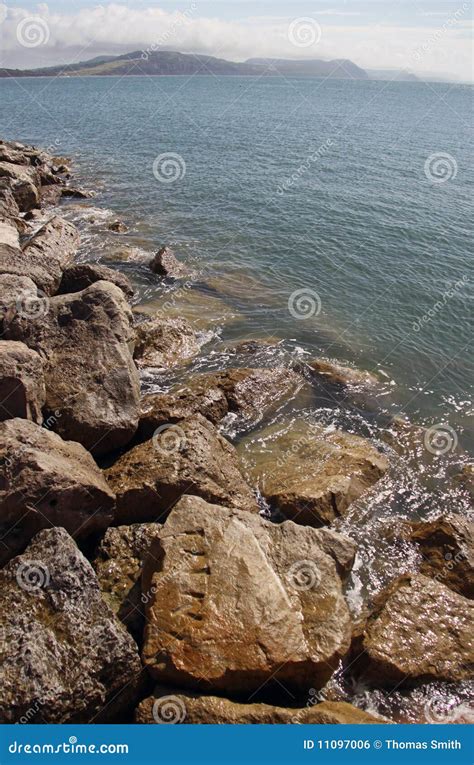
(315, 214)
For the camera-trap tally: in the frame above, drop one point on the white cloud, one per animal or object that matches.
(116, 28)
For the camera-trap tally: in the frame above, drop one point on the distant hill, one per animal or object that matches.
(392, 74)
(171, 62)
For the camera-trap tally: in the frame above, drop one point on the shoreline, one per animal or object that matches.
(73, 350)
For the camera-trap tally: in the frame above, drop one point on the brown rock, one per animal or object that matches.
(166, 264)
(168, 706)
(46, 481)
(338, 374)
(22, 389)
(118, 565)
(82, 275)
(189, 457)
(18, 293)
(165, 343)
(118, 227)
(239, 602)
(24, 182)
(91, 380)
(65, 656)
(309, 474)
(9, 235)
(8, 205)
(418, 631)
(161, 408)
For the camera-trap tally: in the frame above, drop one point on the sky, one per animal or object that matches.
(421, 36)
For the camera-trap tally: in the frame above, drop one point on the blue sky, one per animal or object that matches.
(417, 35)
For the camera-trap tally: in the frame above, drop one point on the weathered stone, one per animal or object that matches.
(163, 408)
(24, 184)
(65, 656)
(189, 457)
(447, 549)
(418, 631)
(237, 602)
(165, 343)
(309, 474)
(170, 706)
(9, 235)
(69, 191)
(82, 275)
(46, 481)
(18, 294)
(118, 227)
(8, 205)
(118, 565)
(22, 389)
(338, 374)
(91, 381)
(44, 256)
(166, 264)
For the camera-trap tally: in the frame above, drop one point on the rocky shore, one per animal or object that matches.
(153, 571)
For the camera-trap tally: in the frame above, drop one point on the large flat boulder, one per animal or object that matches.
(238, 602)
(174, 707)
(311, 475)
(189, 457)
(24, 183)
(22, 388)
(46, 482)
(158, 409)
(91, 381)
(65, 656)
(165, 343)
(419, 631)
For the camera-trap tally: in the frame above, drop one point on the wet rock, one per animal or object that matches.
(447, 549)
(44, 256)
(82, 275)
(118, 565)
(165, 343)
(165, 263)
(170, 706)
(65, 656)
(22, 389)
(239, 602)
(118, 227)
(24, 183)
(17, 293)
(91, 381)
(69, 191)
(46, 481)
(338, 374)
(418, 631)
(189, 457)
(310, 474)
(163, 408)
(465, 478)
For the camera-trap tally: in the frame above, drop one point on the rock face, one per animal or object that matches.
(91, 380)
(9, 234)
(24, 183)
(82, 275)
(419, 631)
(310, 475)
(447, 549)
(22, 389)
(165, 343)
(44, 256)
(168, 706)
(118, 565)
(161, 408)
(46, 481)
(166, 264)
(189, 457)
(8, 205)
(65, 657)
(18, 294)
(237, 602)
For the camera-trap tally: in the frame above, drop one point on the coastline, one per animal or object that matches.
(75, 349)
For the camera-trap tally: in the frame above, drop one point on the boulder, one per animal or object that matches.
(118, 565)
(91, 380)
(65, 656)
(171, 707)
(24, 183)
(46, 481)
(8, 205)
(447, 552)
(22, 389)
(165, 343)
(44, 256)
(419, 631)
(181, 402)
(18, 293)
(311, 475)
(118, 227)
(337, 374)
(82, 275)
(189, 457)
(166, 264)
(238, 602)
(9, 235)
